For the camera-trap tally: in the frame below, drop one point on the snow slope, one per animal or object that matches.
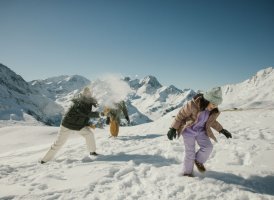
(141, 163)
(256, 92)
(18, 98)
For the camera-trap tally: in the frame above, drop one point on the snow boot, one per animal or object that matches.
(189, 175)
(201, 168)
(94, 154)
(42, 162)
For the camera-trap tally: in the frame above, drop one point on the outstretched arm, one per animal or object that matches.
(82, 114)
(125, 111)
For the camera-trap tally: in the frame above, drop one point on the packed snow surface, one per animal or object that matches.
(141, 163)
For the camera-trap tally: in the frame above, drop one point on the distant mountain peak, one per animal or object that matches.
(261, 75)
(174, 89)
(18, 97)
(151, 80)
(62, 78)
(255, 92)
(12, 80)
(264, 72)
(61, 88)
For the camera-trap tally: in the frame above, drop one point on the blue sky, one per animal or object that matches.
(191, 44)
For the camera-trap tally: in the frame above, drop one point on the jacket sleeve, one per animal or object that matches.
(89, 115)
(124, 109)
(181, 116)
(217, 126)
(213, 123)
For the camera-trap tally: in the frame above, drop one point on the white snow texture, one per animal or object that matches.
(141, 163)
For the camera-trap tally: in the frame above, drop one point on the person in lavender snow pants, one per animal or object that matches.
(194, 122)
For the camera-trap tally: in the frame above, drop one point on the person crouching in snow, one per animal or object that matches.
(76, 120)
(194, 122)
(113, 116)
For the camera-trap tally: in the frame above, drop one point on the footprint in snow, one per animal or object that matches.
(57, 177)
(123, 172)
(43, 187)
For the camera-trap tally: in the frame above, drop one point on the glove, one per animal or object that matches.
(94, 115)
(127, 118)
(108, 120)
(226, 133)
(171, 133)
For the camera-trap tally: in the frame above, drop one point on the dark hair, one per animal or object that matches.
(203, 102)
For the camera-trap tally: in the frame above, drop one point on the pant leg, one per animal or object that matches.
(189, 141)
(206, 147)
(114, 127)
(89, 137)
(59, 142)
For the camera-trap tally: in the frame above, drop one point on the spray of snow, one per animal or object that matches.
(109, 89)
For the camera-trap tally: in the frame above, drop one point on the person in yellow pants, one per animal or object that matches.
(113, 116)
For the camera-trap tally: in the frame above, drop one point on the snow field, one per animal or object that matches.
(141, 163)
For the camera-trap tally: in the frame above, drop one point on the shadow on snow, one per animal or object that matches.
(256, 184)
(155, 160)
(138, 137)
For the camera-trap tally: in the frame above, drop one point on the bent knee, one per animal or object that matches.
(209, 147)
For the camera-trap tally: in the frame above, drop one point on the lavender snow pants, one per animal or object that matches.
(202, 154)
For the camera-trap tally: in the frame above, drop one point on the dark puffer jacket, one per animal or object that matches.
(79, 113)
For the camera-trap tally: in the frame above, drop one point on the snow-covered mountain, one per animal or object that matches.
(61, 89)
(18, 99)
(256, 92)
(155, 100)
(147, 99)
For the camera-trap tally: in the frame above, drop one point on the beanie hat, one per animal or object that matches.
(214, 95)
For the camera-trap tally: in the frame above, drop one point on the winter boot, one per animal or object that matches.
(201, 168)
(94, 154)
(189, 175)
(42, 162)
